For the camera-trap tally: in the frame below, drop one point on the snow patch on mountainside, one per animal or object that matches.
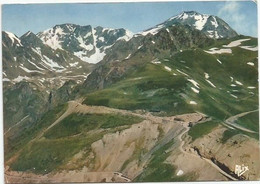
(35, 65)
(30, 71)
(219, 61)
(194, 83)
(20, 78)
(251, 64)
(236, 43)
(53, 65)
(214, 23)
(250, 48)
(83, 45)
(128, 35)
(251, 87)
(140, 47)
(128, 56)
(182, 72)
(37, 50)
(102, 39)
(195, 90)
(6, 80)
(152, 31)
(91, 52)
(168, 68)
(200, 21)
(220, 51)
(211, 83)
(233, 95)
(206, 75)
(51, 37)
(87, 35)
(74, 64)
(94, 58)
(193, 102)
(239, 83)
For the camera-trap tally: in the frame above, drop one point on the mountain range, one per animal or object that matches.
(70, 48)
(191, 78)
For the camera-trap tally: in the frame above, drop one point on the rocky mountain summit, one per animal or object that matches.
(210, 25)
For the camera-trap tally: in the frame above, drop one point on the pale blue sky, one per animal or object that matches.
(242, 16)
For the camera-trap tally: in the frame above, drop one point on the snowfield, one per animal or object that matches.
(219, 51)
(250, 48)
(236, 43)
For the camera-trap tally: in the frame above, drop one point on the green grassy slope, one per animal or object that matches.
(153, 87)
(78, 123)
(13, 145)
(149, 88)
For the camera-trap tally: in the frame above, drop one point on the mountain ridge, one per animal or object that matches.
(90, 43)
(86, 42)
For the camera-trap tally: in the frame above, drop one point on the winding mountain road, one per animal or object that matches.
(231, 121)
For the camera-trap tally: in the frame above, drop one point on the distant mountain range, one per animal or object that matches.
(68, 48)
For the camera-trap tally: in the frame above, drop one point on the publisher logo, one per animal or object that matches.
(241, 169)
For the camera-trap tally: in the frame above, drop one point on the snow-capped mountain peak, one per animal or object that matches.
(210, 25)
(52, 37)
(200, 19)
(86, 42)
